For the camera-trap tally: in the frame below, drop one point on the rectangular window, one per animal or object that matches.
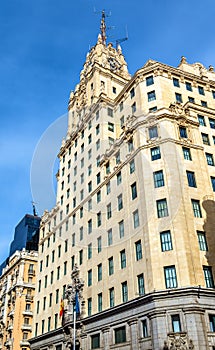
(201, 90)
(111, 297)
(191, 179)
(57, 296)
(188, 86)
(81, 233)
(132, 166)
(97, 145)
(89, 278)
(166, 241)
(81, 257)
(209, 158)
(121, 229)
(65, 268)
(118, 158)
(122, 121)
(153, 132)
(110, 237)
(136, 221)
(90, 226)
(212, 323)
(107, 168)
(95, 341)
(121, 106)
(72, 262)
(176, 324)
(89, 306)
(130, 145)
(120, 202)
(110, 112)
(170, 277)
(149, 80)
(202, 241)
(201, 120)
(191, 99)
(205, 139)
(183, 132)
(151, 96)
(140, 280)
(208, 276)
(73, 239)
(176, 82)
(134, 107)
(186, 153)
(111, 127)
(158, 178)
(213, 183)
(99, 244)
(196, 208)
(119, 178)
(124, 292)
(99, 267)
(123, 259)
(145, 329)
(178, 97)
(204, 103)
(134, 191)
(108, 188)
(155, 153)
(99, 302)
(74, 202)
(97, 129)
(132, 93)
(120, 335)
(58, 272)
(90, 186)
(89, 170)
(162, 208)
(138, 249)
(98, 196)
(212, 123)
(99, 219)
(110, 266)
(89, 251)
(109, 211)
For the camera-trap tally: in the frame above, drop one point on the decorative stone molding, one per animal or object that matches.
(178, 341)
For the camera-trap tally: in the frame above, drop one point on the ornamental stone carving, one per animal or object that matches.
(178, 341)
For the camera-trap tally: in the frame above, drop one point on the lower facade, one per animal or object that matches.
(172, 319)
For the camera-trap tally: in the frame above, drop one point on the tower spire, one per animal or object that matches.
(103, 28)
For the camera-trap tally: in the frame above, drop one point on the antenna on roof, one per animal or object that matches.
(103, 25)
(118, 41)
(34, 209)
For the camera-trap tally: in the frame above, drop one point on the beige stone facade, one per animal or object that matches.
(134, 208)
(17, 289)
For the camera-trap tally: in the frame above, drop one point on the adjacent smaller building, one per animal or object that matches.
(17, 288)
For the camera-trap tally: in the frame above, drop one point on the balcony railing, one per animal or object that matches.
(27, 313)
(26, 327)
(24, 342)
(31, 272)
(29, 297)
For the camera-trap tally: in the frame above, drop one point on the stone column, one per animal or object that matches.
(196, 327)
(133, 324)
(106, 338)
(83, 341)
(158, 329)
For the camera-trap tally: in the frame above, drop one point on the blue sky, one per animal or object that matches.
(43, 45)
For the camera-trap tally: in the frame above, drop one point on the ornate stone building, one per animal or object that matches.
(134, 210)
(17, 287)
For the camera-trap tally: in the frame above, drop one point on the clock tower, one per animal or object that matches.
(104, 74)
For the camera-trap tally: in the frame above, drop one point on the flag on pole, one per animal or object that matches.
(77, 306)
(61, 307)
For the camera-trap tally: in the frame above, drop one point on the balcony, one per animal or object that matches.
(31, 272)
(9, 342)
(29, 298)
(26, 327)
(27, 313)
(24, 342)
(11, 313)
(10, 327)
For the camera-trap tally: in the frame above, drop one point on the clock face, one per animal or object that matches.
(114, 64)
